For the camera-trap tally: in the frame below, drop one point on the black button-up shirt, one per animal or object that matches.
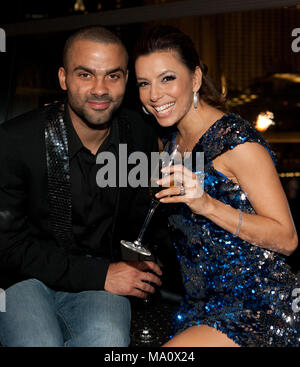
(92, 207)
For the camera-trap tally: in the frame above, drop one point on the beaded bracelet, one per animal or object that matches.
(240, 223)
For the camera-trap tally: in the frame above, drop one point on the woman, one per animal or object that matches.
(233, 237)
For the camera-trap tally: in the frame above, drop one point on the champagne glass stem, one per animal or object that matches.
(153, 206)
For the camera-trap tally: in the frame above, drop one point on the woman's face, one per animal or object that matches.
(166, 86)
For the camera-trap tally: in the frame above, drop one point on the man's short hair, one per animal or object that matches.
(94, 34)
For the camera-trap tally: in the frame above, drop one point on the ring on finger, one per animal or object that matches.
(182, 190)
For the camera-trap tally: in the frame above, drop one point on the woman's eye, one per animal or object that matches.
(142, 84)
(168, 78)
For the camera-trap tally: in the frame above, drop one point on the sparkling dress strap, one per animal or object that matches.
(228, 132)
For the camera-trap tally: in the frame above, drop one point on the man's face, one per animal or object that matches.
(95, 78)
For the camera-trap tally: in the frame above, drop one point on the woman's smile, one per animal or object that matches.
(164, 110)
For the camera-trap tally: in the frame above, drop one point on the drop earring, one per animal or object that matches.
(195, 100)
(145, 110)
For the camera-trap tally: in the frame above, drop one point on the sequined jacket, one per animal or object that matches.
(36, 241)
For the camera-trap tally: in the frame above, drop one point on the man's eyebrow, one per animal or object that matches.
(115, 70)
(84, 68)
(93, 71)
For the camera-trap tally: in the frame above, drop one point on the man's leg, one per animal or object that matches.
(30, 319)
(94, 319)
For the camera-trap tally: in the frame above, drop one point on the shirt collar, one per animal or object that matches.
(75, 144)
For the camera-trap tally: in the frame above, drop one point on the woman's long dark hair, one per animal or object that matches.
(168, 38)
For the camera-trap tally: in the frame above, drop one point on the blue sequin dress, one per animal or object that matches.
(243, 290)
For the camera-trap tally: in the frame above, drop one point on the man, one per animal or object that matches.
(59, 232)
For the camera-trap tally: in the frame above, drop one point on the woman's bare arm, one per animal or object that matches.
(272, 226)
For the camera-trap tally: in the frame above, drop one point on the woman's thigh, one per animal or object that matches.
(30, 318)
(201, 336)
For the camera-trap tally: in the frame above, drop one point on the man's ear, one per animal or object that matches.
(126, 76)
(62, 78)
(197, 79)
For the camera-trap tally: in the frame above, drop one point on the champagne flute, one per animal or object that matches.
(145, 334)
(165, 160)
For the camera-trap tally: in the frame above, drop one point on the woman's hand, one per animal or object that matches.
(181, 179)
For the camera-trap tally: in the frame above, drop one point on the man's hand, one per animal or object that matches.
(131, 278)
